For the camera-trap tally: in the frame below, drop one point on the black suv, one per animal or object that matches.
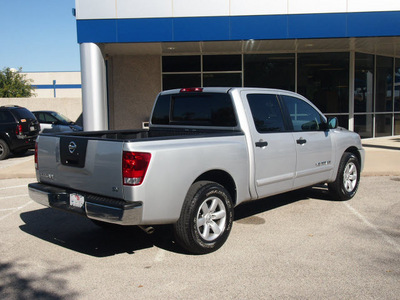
(18, 130)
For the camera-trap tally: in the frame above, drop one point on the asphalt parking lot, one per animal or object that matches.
(299, 245)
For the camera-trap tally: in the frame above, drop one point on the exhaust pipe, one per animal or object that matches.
(147, 229)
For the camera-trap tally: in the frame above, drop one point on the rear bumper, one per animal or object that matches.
(94, 207)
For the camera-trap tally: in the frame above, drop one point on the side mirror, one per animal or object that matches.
(333, 123)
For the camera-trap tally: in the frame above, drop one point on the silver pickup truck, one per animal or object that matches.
(206, 151)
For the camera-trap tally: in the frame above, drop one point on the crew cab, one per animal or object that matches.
(206, 151)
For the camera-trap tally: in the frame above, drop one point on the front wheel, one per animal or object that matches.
(206, 218)
(346, 184)
(4, 150)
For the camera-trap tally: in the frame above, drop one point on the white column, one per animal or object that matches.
(94, 88)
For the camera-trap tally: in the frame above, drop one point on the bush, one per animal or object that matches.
(13, 84)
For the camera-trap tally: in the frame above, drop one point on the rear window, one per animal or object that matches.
(23, 113)
(197, 109)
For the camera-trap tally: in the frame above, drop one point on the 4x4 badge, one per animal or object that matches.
(71, 147)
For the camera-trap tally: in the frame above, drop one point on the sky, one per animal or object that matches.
(38, 35)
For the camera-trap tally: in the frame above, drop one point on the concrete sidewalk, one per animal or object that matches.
(382, 159)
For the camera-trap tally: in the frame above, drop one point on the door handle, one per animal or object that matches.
(301, 141)
(261, 144)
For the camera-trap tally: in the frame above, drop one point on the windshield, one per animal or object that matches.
(61, 117)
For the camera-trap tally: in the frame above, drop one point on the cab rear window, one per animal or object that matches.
(197, 109)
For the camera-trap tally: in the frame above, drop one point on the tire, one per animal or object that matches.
(206, 218)
(4, 150)
(346, 184)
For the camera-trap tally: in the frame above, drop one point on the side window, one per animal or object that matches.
(266, 112)
(6, 117)
(49, 118)
(304, 117)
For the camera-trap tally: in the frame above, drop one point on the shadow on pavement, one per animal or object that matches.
(81, 235)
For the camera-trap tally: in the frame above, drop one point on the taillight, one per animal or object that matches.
(134, 167)
(191, 90)
(36, 156)
(18, 130)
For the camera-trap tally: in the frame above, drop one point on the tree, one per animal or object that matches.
(13, 84)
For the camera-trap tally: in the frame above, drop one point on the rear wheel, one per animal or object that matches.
(346, 184)
(206, 218)
(4, 150)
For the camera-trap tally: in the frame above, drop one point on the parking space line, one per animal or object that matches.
(15, 210)
(373, 227)
(14, 196)
(13, 187)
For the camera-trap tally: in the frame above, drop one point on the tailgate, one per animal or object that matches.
(80, 163)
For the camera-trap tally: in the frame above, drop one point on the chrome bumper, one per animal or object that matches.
(94, 207)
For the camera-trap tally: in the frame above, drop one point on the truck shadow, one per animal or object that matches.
(81, 235)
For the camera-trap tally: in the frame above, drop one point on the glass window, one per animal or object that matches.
(6, 117)
(270, 71)
(397, 86)
(181, 63)
(364, 83)
(397, 124)
(266, 112)
(175, 81)
(304, 117)
(23, 113)
(363, 125)
(198, 109)
(222, 63)
(323, 78)
(383, 125)
(222, 79)
(384, 84)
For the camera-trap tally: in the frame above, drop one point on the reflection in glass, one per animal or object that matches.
(222, 63)
(190, 63)
(384, 84)
(397, 86)
(364, 83)
(270, 71)
(174, 81)
(363, 125)
(397, 124)
(383, 125)
(324, 79)
(222, 79)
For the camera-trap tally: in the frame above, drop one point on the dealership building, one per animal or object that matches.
(343, 55)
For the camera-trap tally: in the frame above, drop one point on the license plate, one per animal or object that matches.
(32, 128)
(76, 200)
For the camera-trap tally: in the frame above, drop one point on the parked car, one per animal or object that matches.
(51, 121)
(18, 130)
(206, 151)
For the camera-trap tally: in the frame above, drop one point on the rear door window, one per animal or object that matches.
(266, 112)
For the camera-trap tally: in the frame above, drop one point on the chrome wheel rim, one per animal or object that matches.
(350, 177)
(211, 219)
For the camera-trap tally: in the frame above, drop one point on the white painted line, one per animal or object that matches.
(15, 210)
(15, 196)
(373, 227)
(13, 187)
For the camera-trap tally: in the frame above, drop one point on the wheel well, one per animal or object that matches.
(223, 178)
(354, 151)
